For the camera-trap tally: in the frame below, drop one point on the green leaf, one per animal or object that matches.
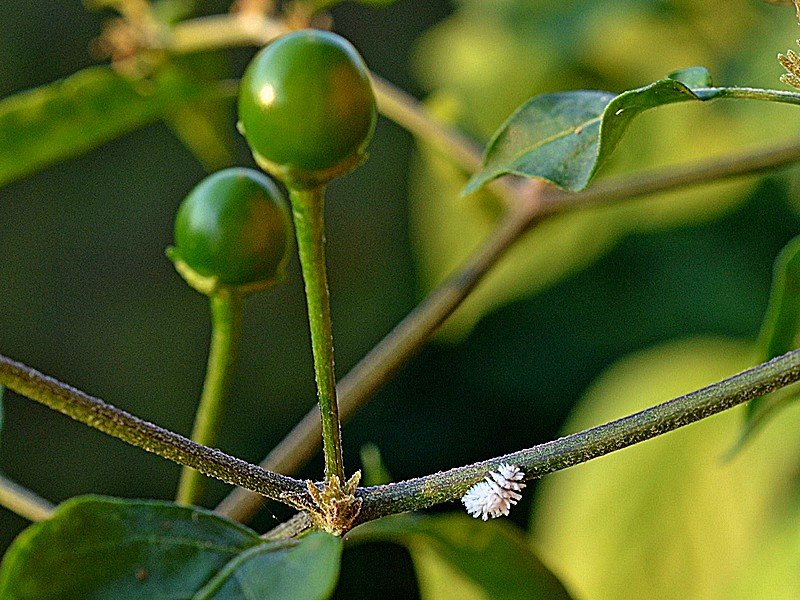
(457, 557)
(97, 547)
(669, 518)
(565, 137)
(72, 116)
(693, 77)
(779, 334)
(781, 326)
(373, 467)
(306, 569)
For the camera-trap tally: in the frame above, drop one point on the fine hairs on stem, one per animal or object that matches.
(527, 204)
(422, 492)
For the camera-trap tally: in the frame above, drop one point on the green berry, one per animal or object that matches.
(232, 229)
(307, 108)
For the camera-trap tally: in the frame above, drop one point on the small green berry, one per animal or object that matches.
(232, 229)
(307, 108)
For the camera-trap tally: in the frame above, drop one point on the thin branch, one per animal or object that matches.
(120, 424)
(24, 502)
(405, 340)
(381, 363)
(415, 494)
(224, 31)
(617, 189)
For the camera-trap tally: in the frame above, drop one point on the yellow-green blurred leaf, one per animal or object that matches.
(488, 57)
(669, 518)
(459, 558)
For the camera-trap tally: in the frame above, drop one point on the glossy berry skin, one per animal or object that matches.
(306, 107)
(234, 227)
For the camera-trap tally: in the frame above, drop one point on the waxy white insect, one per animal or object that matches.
(496, 494)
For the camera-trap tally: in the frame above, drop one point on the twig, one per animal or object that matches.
(120, 424)
(403, 342)
(227, 306)
(380, 364)
(415, 494)
(23, 502)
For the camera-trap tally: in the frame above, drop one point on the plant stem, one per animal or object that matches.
(142, 434)
(415, 494)
(405, 340)
(381, 363)
(224, 31)
(23, 502)
(308, 207)
(226, 329)
(618, 189)
(746, 93)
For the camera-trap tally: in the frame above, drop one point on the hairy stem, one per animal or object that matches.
(309, 223)
(137, 432)
(746, 93)
(226, 323)
(415, 494)
(403, 342)
(381, 363)
(23, 502)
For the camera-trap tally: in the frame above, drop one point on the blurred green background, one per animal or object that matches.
(87, 295)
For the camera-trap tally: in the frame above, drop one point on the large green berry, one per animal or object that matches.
(306, 107)
(232, 229)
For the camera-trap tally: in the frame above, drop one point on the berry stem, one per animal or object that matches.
(23, 502)
(226, 323)
(308, 209)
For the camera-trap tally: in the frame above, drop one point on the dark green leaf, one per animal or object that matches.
(305, 569)
(565, 137)
(74, 115)
(456, 556)
(2, 392)
(780, 332)
(97, 547)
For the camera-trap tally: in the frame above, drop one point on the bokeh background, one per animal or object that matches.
(679, 280)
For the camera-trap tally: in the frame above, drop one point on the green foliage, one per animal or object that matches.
(373, 468)
(2, 413)
(779, 334)
(781, 326)
(488, 58)
(565, 137)
(72, 116)
(306, 568)
(96, 547)
(671, 518)
(457, 557)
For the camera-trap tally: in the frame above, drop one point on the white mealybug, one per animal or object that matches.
(496, 494)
